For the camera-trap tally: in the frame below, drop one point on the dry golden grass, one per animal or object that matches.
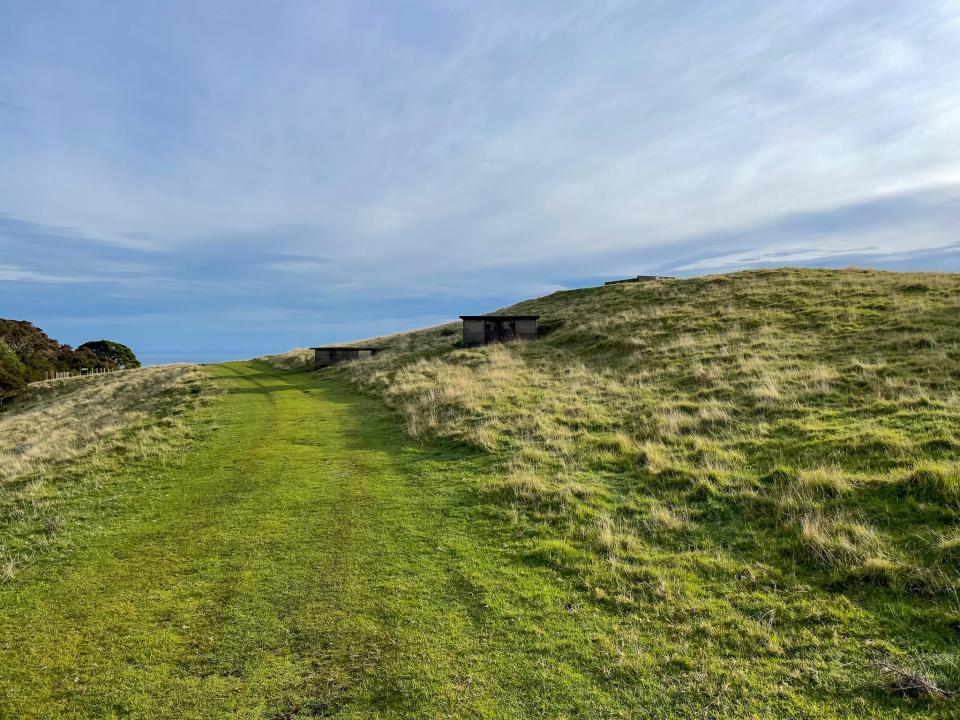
(840, 542)
(60, 420)
(64, 437)
(297, 359)
(840, 386)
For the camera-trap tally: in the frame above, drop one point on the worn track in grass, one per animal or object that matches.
(305, 560)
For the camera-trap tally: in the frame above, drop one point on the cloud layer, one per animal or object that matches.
(218, 179)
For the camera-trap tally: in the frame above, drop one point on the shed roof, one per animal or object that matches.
(499, 317)
(640, 278)
(334, 347)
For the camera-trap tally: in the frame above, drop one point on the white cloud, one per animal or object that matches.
(462, 137)
(299, 266)
(13, 273)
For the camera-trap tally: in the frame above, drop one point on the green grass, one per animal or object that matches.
(761, 465)
(724, 497)
(65, 441)
(306, 560)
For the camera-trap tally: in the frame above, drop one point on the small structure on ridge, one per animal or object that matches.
(324, 356)
(639, 278)
(485, 329)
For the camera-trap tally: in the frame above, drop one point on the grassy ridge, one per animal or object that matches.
(64, 442)
(760, 466)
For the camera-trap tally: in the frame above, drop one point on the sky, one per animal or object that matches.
(222, 179)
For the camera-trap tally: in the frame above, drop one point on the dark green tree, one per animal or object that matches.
(113, 353)
(13, 374)
(35, 349)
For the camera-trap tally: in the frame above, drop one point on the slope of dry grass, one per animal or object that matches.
(67, 438)
(297, 359)
(761, 465)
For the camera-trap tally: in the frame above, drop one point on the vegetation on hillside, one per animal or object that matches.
(112, 354)
(65, 440)
(760, 468)
(37, 354)
(13, 373)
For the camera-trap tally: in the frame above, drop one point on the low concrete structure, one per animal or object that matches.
(485, 329)
(639, 278)
(324, 356)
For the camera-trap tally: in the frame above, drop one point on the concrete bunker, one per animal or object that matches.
(639, 279)
(325, 356)
(486, 329)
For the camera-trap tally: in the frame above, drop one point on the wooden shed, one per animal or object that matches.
(485, 329)
(639, 278)
(324, 356)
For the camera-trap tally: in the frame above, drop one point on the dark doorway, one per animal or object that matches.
(499, 330)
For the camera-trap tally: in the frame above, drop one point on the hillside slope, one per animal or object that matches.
(64, 443)
(760, 468)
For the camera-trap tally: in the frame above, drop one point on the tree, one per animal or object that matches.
(36, 350)
(114, 353)
(40, 354)
(13, 374)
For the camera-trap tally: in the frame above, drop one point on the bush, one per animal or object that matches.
(13, 373)
(40, 354)
(115, 354)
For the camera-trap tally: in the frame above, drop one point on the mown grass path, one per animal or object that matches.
(303, 560)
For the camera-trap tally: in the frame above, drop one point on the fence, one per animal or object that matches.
(57, 375)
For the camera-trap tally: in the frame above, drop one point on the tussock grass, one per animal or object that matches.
(66, 438)
(948, 550)
(831, 481)
(938, 481)
(805, 420)
(297, 359)
(840, 542)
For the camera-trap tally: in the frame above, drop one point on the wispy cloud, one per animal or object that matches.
(345, 158)
(13, 273)
(298, 266)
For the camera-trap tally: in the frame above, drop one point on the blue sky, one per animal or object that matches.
(212, 180)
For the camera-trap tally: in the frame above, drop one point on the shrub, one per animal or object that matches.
(13, 373)
(113, 353)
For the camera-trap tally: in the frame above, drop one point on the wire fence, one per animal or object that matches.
(58, 374)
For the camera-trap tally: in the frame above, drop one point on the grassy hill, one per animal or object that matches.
(759, 470)
(724, 497)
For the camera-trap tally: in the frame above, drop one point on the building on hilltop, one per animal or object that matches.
(639, 278)
(486, 329)
(324, 356)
